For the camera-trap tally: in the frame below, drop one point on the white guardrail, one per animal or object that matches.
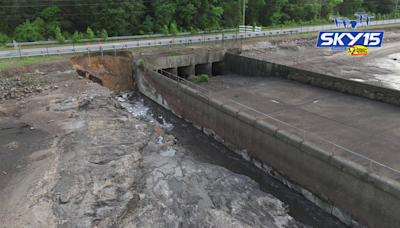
(171, 41)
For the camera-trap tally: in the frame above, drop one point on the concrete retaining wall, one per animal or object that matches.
(253, 67)
(331, 182)
(187, 60)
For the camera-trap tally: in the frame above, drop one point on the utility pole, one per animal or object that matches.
(244, 11)
(395, 9)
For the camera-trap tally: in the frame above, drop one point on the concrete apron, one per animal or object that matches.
(340, 187)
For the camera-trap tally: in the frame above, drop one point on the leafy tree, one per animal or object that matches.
(89, 34)
(30, 31)
(165, 30)
(4, 39)
(104, 34)
(51, 20)
(172, 28)
(58, 35)
(147, 26)
(77, 36)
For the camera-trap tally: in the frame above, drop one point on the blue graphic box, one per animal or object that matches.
(332, 39)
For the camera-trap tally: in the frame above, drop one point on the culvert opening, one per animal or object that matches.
(202, 69)
(218, 68)
(185, 71)
(168, 71)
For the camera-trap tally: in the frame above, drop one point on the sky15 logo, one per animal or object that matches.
(344, 40)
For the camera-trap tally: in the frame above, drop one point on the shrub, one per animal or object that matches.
(4, 39)
(77, 36)
(89, 34)
(203, 78)
(28, 31)
(59, 36)
(142, 62)
(172, 29)
(165, 30)
(104, 35)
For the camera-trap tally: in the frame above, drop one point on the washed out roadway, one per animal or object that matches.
(366, 127)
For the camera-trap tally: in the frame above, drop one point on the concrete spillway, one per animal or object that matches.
(358, 188)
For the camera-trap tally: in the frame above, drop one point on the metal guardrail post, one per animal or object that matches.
(59, 54)
(115, 51)
(88, 51)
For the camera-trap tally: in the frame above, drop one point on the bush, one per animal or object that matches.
(59, 36)
(203, 78)
(4, 39)
(165, 30)
(89, 34)
(77, 36)
(27, 31)
(142, 62)
(104, 35)
(172, 29)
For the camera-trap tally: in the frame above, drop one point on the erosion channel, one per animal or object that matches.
(74, 154)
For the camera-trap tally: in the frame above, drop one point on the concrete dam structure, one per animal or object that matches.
(282, 124)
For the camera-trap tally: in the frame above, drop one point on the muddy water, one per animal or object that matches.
(206, 150)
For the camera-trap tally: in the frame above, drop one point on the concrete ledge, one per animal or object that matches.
(215, 103)
(386, 184)
(290, 138)
(189, 91)
(246, 118)
(349, 166)
(266, 127)
(229, 110)
(315, 151)
(202, 97)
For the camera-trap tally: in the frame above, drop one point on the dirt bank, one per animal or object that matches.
(113, 72)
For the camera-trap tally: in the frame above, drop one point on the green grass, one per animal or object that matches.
(203, 78)
(6, 63)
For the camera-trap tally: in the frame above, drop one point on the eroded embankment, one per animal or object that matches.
(103, 169)
(113, 72)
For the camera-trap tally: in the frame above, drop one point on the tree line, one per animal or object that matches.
(37, 20)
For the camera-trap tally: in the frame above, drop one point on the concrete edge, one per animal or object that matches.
(290, 138)
(229, 110)
(245, 117)
(215, 103)
(266, 127)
